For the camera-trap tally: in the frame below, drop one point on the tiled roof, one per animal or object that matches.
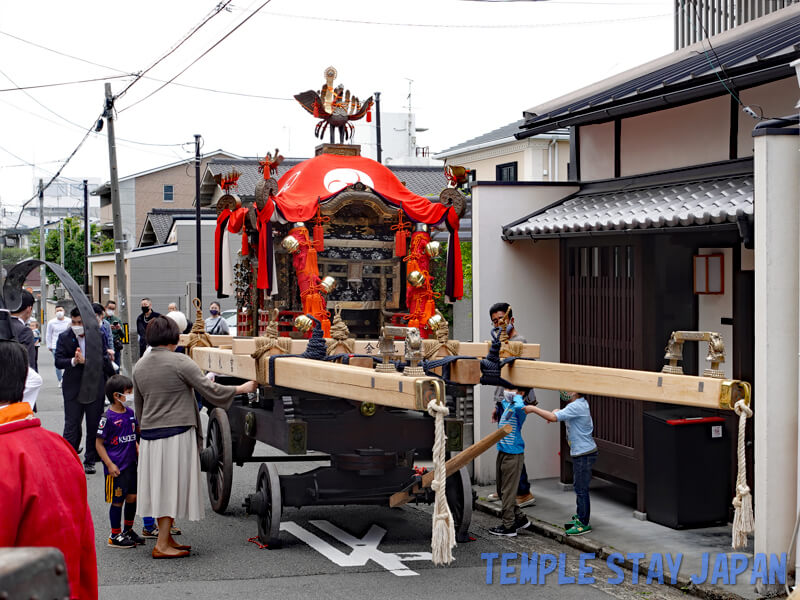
(159, 222)
(757, 52)
(505, 132)
(423, 181)
(709, 201)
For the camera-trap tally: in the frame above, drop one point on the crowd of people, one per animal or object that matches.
(145, 429)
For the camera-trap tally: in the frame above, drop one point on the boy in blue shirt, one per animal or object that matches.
(578, 420)
(510, 460)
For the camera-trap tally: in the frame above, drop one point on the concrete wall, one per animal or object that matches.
(676, 137)
(597, 151)
(776, 99)
(712, 308)
(526, 275)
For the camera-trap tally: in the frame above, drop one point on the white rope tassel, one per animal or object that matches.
(443, 536)
(743, 502)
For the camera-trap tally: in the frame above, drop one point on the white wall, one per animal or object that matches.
(713, 307)
(597, 151)
(526, 275)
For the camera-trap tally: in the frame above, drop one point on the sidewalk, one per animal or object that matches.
(616, 530)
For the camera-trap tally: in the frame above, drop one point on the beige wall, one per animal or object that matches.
(105, 267)
(106, 214)
(535, 158)
(676, 137)
(776, 99)
(486, 168)
(526, 275)
(597, 151)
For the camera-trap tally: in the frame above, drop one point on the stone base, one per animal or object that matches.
(565, 487)
(641, 516)
(338, 149)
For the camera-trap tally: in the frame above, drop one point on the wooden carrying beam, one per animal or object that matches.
(330, 379)
(464, 457)
(687, 390)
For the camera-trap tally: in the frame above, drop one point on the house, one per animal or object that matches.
(667, 201)
(167, 186)
(500, 156)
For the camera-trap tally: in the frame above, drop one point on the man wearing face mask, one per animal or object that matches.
(105, 329)
(116, 329)
(20, 329)
(71, 356)
(55, 327)
(148, 314)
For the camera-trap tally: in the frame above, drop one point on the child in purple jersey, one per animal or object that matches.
(118, 449)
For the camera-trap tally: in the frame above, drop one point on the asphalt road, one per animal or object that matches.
(381, 560)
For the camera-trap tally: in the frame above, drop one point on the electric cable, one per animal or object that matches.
(49, 85)
(222, 39)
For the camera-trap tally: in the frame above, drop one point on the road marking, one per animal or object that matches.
(364, 549)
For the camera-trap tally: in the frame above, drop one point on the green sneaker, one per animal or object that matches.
(572, 521)
(578, 528)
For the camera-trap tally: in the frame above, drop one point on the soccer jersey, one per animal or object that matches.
(118, 431)
(514, 415)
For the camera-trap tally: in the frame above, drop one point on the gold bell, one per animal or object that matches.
(416, 278)
(432, 249)
(435, 322)
(303, 323)
(327, 284)
(290, 244)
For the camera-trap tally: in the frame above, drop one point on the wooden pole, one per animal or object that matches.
(461, 459)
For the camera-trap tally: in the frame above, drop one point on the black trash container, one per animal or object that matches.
(687, 468)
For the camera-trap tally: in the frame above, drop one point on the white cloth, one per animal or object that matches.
(226, 283)
(169, 479)
(54, 329)
(33, 384)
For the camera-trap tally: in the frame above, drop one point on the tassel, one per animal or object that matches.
(319, 238)
(400, 243)
(369, 116)
(316, 109)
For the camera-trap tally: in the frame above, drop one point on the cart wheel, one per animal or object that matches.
(460, 497)
(220, 471)
(268, 513)
(243, 449)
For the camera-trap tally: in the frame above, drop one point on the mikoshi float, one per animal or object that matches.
(337, 321)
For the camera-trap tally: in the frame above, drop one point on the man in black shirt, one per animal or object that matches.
(148, 314)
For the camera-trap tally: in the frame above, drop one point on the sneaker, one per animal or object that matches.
(578, 529)
(521, 524)
(134, 537)
(150, 533)
(121, 540)
(501, 530)
(175, 530)
(572, 521)
(89, 469)
(526, 500)
(493, 497)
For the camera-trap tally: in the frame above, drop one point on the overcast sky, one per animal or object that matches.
(475, 66)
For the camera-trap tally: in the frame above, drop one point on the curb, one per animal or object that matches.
(705, 591)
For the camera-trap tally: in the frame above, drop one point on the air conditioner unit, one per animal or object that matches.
(106, 291)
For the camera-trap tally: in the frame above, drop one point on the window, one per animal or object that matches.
(169, 193)
(506, 172)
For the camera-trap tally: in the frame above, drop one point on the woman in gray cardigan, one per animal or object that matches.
(169, 483)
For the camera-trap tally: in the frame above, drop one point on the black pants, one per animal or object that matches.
(74, 413)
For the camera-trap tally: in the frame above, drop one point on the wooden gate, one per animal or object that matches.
(600, 287)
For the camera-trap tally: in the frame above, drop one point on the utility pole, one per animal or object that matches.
(378, 124)
(198, 217)
(119, 237)
(42, 269)
(61, 236)
(87, 229)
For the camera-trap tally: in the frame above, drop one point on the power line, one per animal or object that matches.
(222, 39)
(217, 9)
(49, 85)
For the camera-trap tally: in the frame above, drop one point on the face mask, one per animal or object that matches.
(77, 329)
(110, 312)
(214, 311)
(128, 400)
(145, 309)
(564, 396)
(59, 314)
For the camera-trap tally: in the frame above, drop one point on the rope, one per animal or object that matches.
(743, 502)
(431, 347)
(340, 334)
(443, 536)
(198, 336)
(254, 540)
(444, 362)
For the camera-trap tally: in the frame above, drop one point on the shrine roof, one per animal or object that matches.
(715, 194)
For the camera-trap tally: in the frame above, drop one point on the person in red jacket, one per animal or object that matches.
(43, 498)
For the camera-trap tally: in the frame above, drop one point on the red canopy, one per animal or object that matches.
(324, 176)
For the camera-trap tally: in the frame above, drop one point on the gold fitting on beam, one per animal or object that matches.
(368, 409)
(733, 391)
(427, 390)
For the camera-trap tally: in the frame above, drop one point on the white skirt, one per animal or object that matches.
(169, 478)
